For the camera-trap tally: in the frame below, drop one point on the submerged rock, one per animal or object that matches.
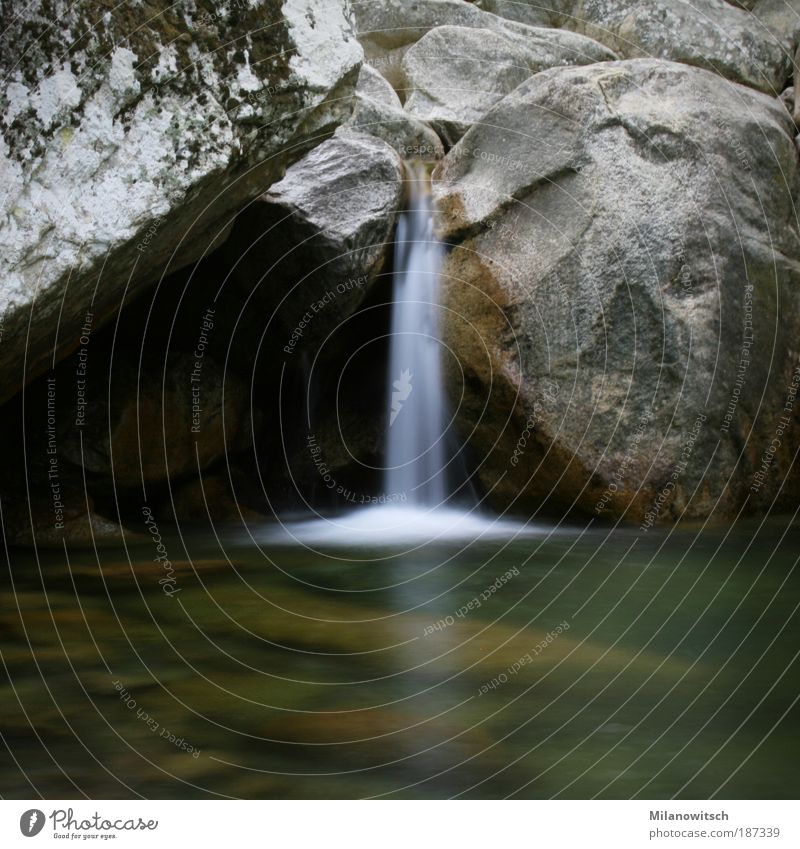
(128, 140)
(625, 237)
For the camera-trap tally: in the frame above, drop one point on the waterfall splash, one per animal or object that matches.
(416, 460)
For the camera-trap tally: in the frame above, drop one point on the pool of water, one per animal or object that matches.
(554, 662)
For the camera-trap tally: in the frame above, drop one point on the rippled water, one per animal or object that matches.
(570, 662)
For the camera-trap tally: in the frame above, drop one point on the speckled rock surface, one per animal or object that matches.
(388, 28)
(128, 142)
(378, 112)
(453, 75)
(751, 47)
(623, 293)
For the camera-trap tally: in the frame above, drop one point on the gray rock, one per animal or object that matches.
(454, 75)
(387, 28)
(537, 13)
(378, 112)
(385, 25)
(710, 34)
(753, 48)
(128, 140)
(324, 228)
(782, 17)
(372, 84)
(624, 293)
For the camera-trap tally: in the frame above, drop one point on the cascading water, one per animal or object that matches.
(416, 461)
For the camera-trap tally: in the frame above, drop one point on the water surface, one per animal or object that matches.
(560, 662)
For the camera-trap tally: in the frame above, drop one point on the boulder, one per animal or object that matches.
(47, 505)
(376, 87)
(388, 28)
(558, 13)
(385, 25)
(754, 48)
(540, 13)
(623, 287)
(454, 75)
(53, 511)
(209, 498)
(310, 248)
(782, 17)
(378, 112)
(129, 140)
(83, 529)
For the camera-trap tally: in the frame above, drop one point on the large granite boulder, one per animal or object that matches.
(754, 48)
(453, 75)
(623, 292)
(388, 28)
(129, 139)
(310, 248)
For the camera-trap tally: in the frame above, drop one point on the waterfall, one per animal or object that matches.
(424, 500)
(416, 460)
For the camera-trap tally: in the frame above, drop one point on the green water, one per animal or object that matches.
(277, 672)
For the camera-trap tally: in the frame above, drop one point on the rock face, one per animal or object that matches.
(711, 34)
(379, 112)
(625, 237)
(161, 423)
(129, 139)
(453, 75)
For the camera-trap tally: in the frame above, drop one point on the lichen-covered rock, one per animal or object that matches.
(454, 75)
(378, 112)
(128, 139)
(624, 294)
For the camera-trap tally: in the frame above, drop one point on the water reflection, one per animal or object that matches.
(279, 672)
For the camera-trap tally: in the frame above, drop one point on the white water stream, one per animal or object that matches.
(416, 460)
(416, 470)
